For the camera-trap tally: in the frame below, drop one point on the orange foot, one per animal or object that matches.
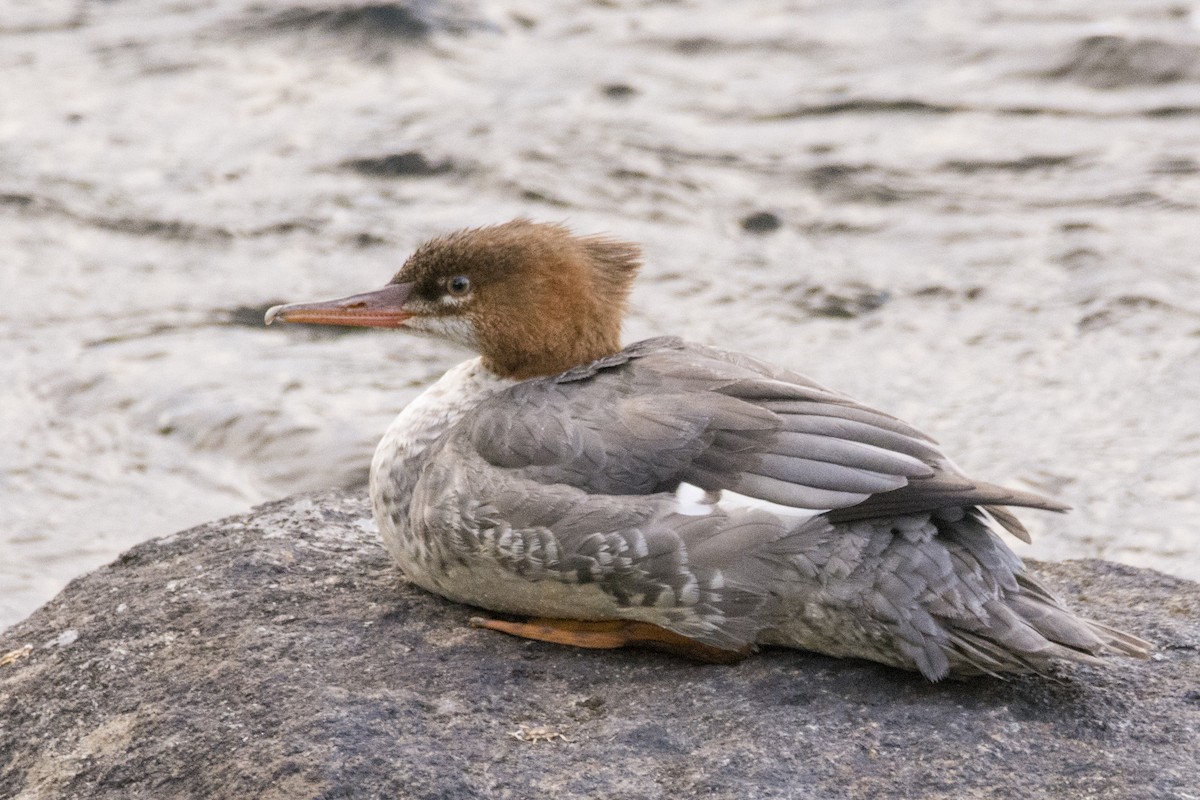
(611, 634)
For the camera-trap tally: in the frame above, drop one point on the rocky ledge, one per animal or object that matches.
(280, 655)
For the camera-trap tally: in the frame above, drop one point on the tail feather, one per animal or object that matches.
(990, 615)
(1056, 624)
(1059, 624)
(1008, 520)
(1118, 641)
(1026, 628)
(980, 653)
(937, 592)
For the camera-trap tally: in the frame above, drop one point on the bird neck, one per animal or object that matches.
(405, 447)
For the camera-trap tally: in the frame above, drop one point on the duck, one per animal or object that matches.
(674, 495)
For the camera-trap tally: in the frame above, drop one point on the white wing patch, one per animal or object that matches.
(692, 501)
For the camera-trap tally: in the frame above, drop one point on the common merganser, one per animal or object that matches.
(677, 495)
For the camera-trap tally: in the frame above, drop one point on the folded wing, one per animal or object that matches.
(664, 413)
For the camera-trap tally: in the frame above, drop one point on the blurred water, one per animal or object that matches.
(979, 216)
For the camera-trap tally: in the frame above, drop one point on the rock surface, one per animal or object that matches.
(280, 655)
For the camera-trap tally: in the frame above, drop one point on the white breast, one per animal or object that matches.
(400, 454)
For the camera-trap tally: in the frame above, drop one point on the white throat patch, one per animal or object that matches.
(457, 329)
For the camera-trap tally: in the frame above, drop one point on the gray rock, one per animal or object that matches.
(280, 655)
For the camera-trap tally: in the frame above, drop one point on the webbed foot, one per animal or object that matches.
(610, 634)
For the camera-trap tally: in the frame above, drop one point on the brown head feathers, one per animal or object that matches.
(532, 298)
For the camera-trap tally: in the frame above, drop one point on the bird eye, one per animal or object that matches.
(458, 285)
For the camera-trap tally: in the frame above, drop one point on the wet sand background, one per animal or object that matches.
(981, 217)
